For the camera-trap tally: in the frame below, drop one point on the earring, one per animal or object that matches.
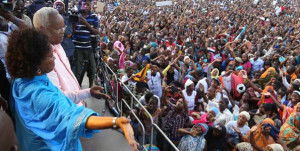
(39, 71)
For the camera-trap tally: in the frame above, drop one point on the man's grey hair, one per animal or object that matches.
(41, 17)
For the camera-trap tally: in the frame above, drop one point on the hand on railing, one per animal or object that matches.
(124, 125)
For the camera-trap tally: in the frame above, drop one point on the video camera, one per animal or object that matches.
(6, 5)
(75, 15)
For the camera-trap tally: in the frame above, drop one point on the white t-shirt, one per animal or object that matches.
(130, 85)
(244, 130)
(154, 83)
(190, 99)
(224, 118)
(227, 82)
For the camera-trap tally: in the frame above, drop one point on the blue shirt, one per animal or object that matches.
(45, 118)
(82, 36)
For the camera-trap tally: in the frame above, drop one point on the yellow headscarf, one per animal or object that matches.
(265, 74)
(212, 71)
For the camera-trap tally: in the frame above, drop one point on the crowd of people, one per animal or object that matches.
(214, 75)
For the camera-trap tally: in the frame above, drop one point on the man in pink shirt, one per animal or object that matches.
(52, 23)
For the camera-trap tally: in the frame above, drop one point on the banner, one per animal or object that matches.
(100, 7)
(164, 3)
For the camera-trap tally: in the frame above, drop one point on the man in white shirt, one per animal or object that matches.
(225, 116)
(256, 62)
(155, 80)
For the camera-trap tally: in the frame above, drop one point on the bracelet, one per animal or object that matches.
(114, 122)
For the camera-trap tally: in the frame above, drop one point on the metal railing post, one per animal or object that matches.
(139, 121)
(166, 137)
(131, 101)
(116, 78)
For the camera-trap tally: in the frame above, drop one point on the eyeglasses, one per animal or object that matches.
(60, 29)
(63, 28)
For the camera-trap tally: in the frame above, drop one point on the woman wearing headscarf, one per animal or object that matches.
(266, 95)
(290, 130)
(193, 140)
(190, 94)
(262, 133)
(45, 118)
(207, 118)
(266, 76)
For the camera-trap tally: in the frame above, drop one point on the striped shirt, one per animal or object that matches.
(82, 36)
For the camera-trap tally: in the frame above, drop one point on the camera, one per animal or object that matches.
(75, 15)
(6, 6)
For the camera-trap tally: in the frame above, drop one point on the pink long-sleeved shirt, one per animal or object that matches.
(63, 77)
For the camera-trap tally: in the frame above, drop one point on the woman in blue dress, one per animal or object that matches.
(45, 118)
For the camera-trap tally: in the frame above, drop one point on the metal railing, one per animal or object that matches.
(117, 86)
(139, 121)
(133, 98)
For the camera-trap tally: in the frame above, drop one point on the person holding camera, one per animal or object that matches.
(86, 26)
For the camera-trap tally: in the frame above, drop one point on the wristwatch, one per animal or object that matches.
(114, 122)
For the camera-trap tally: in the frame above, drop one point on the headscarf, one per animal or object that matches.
(244, 146)
(116, 46)
(59, 2)
(204, 129)
(203, 118)
(189, 142)
(263, 97)
(276, 147)
(214, 109)
(289, 131)
(246, 114)
(217, 76)
(259, 137)
(188, 83)
(265, 78)
(265, 74)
